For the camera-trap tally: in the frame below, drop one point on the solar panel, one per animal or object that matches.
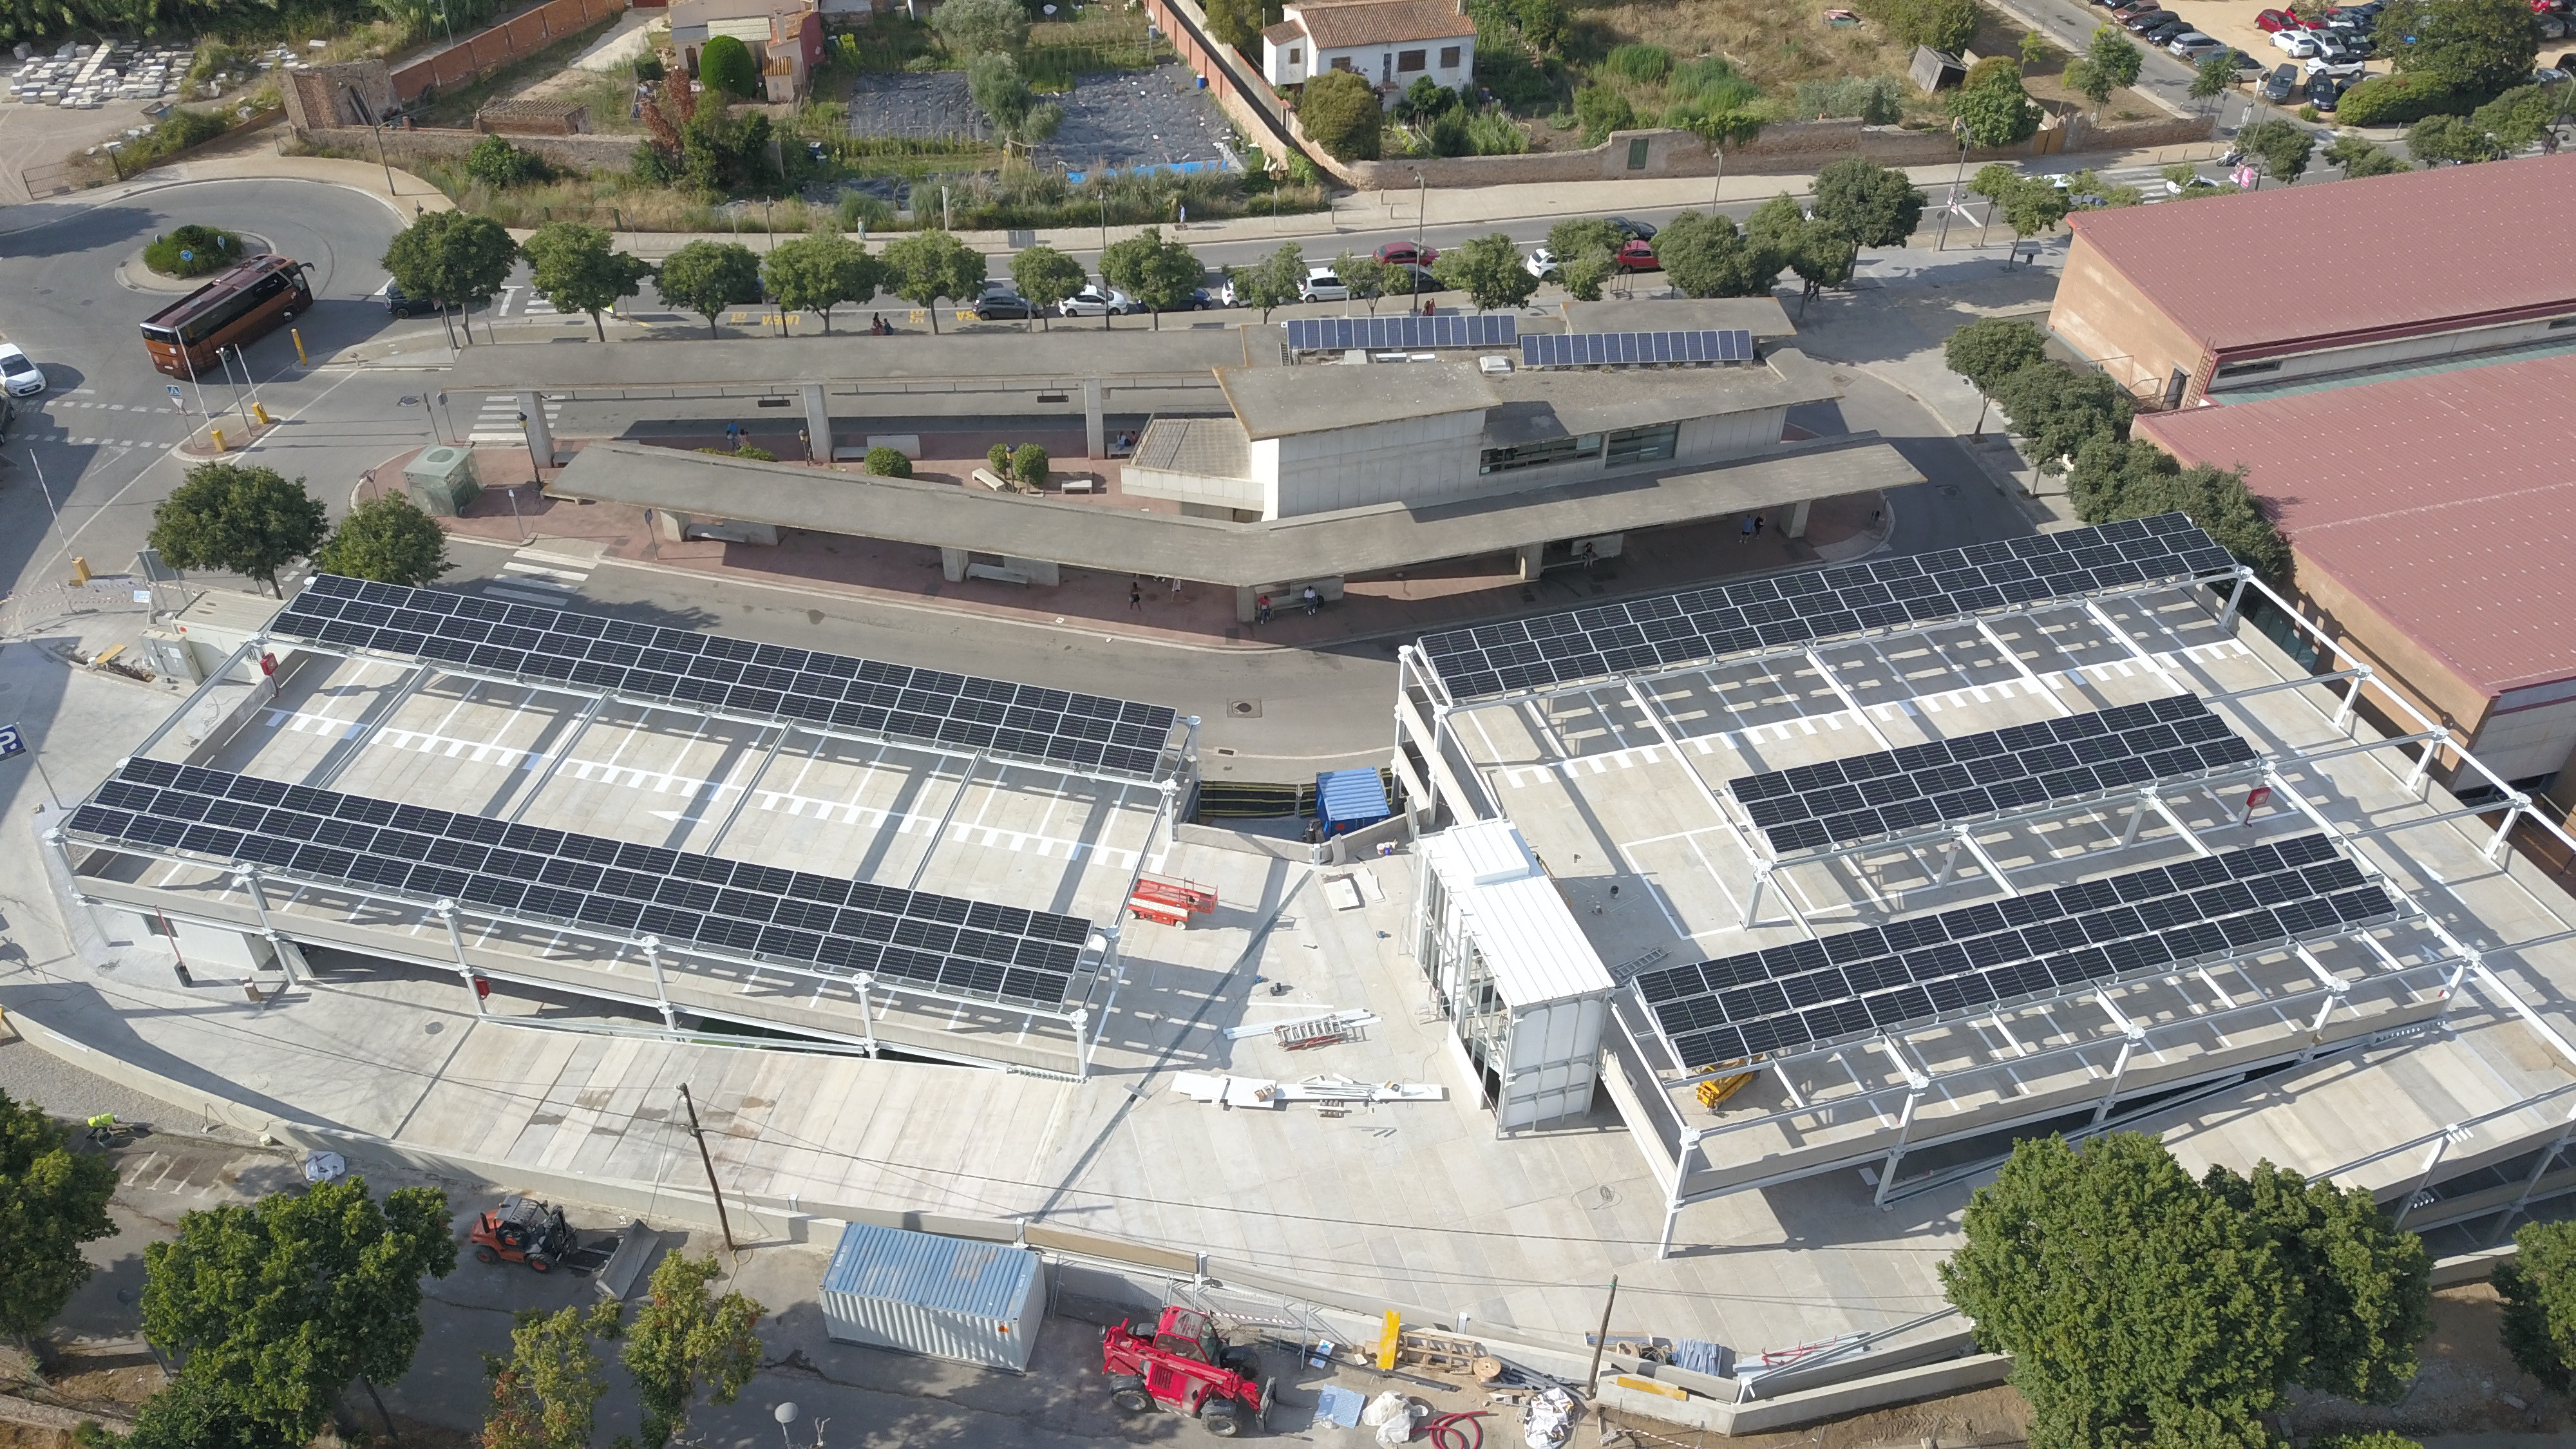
(2143, 923)
(1798, 609)
(1863, 797)
(1405, 333)
(1712, 346)
(934, 942)
(717, 672)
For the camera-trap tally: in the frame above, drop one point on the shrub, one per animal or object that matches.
(176, 132)
(726, 65)
(1600, 111)
(1988, 70)
(998, 458)
(498, 164)
(1945, 25)
(1644, 64)
(1340, 111)
(745, 451)
(208, 249)
(1450, 135)
(859, 211)
(1496, 134)
(1029, 465)
(2396, 100)
(888, 462)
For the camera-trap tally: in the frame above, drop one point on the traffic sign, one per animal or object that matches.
(10, 742)
(176, 401)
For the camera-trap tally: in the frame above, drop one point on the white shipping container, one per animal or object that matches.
(977, 1303)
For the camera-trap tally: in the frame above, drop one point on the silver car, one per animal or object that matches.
(21, 377)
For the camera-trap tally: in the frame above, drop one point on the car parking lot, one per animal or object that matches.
(2233, 23)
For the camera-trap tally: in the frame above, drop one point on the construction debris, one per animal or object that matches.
(1327, 1092)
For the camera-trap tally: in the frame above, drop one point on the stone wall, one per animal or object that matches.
(487, 50)
(406, 145)
(337, 95)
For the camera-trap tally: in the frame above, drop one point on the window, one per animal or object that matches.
(1536, 455)
(2248, 369)
(2562, 324)
(1341, 62)
(1644, 445)
(1448, 57)
(1297, 55)
(1409, 61)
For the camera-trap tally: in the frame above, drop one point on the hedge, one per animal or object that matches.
(2392, 100)
(208, 249)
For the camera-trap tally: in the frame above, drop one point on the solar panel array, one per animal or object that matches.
(1838, 802)
(1636, 349)
(1795, 609)
(2143, 923)
(1377, 334)
(934, 942)
(714, 672)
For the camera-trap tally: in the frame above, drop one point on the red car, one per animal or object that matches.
(1636, 256)
(2276, 20)
(1404, 253)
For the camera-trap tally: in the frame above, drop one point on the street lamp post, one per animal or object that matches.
(221, 355)
(1957, 179)
(536, 470)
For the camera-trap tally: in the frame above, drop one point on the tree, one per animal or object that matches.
(929, 265)
(1871, 204)
(1019, 118)
(1235, 22)
(497, 164)
(387, 539)
(546, 1394)
(1273, 281)
(578, 269)
(2366, 1286)
(2055, 409)
(720, 151)
(1945, 25)
(1542, 23)
(2517, 118)
(1996, 113)
(247, 520)
(2358, 158)
(725, 64)
(2107, 64)
(2538, 1286)
(887, 462)
(2478, 48)
(1600, 110)
(1339, 111)
(820, 271)
(1583, 274)
(2141, 1306)
(51, 1201)
(982, 27)
(191, 1412)
(1570, 239)
(276, 1306)
(683, 1337)
(1819, 251)
(2448, 138)
(2032, 205)
(2113, 480)
(1160, 274)
(1363, 276)
(1029, 464)
(2282, 146)
(454, 256)
(1990, 349)
(2088, 188)
(707, 277)
(2034, 49)
(2211, 75)
(1717, 128)
(1489, 270)
(1705, 256)
(1045, 276)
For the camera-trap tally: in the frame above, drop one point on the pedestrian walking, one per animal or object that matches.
(1176, 590)
(1135, 596)
(1745, 534)
(733, 435)
(1261, 610)
(1758, 525)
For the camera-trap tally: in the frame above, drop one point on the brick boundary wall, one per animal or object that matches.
(487, 50)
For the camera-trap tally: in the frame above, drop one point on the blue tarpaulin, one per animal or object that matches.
(1345, 800)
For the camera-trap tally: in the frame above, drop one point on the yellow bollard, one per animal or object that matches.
(80, 572)
(298, 334)
(219, 438)
(262, 414)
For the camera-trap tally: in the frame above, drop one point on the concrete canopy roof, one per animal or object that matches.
(1278, 402)
(1761, 316)
(2445, 502)
(1587, 401)
(1070, 351)
(1361, 540)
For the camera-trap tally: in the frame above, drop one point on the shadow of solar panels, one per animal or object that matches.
(1637, 349)
(721, 674)
(1864, 797)
(962, 948)
(1797, 609)
(1400, 334)
(1976, 958)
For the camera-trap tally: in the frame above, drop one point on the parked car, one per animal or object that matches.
(21, 377)
(2347, 71)
(1404, 252)
(2297, 43)
(1093, 301)
(398, 305)
(1635, 255)
(1004, 307)
(2247, 67)
(2141, 24)
(2192, 45)
(1405, 279)
(2123, 14)
(2167, 33)
(1541, 263)
(2283, 83)
(1634, 230)
(1204, 300)
(1321, 285)
(2324, 91)
(2275, 21)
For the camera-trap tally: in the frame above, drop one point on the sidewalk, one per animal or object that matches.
(255, 159)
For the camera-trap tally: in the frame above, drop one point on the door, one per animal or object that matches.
(1386, 67)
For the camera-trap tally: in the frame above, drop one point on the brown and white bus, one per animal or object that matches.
(242, 304)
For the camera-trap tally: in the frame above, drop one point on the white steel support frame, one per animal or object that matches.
(352, 744)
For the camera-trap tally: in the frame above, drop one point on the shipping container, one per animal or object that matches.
(977, 1303)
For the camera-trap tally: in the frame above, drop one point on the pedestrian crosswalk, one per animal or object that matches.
(541, 576)
(528, 300)
(497, 421)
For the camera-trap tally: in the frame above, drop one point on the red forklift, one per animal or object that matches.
(1185, 1366)
(523, 1230)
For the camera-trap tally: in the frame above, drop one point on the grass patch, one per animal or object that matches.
(193, 251)
(457, 107)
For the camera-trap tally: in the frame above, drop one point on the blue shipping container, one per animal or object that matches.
(951, 1298)
(1346, 800)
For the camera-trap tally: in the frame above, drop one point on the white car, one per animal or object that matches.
(1092, 301)
(1541, 263)
(1322, 285)
(2298, 43)
(2317, 65)
(2192, 45)
(21, 377)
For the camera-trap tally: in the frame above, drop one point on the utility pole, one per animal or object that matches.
(718, 1193)
(1600, 1341)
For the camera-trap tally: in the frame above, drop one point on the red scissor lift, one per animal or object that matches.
(1170, 902)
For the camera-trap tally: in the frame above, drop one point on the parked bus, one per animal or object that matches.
(241, 305)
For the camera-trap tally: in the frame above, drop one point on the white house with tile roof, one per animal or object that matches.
(1390, 43)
